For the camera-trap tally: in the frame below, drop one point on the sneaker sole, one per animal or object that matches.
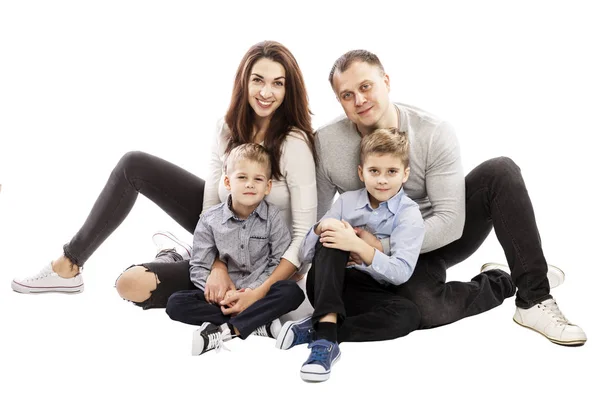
(571, 343)
(284, 341)
(198, 341)
(173, 238)
(319, 377)
(19, 288)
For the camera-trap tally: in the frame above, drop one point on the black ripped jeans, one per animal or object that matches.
(178, 192)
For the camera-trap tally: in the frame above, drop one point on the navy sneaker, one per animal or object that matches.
(323, 354)
(293, 333)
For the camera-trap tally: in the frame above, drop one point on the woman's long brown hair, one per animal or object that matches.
(292, 113)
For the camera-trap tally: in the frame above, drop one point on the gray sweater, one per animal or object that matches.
(436, 182)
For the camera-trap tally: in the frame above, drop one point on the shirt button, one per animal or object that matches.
(242, 246)
(243, 226)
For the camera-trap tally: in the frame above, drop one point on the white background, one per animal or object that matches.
(81, 83)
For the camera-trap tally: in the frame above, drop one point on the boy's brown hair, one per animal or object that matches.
(385, 141)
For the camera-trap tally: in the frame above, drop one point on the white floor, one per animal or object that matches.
(82, 83)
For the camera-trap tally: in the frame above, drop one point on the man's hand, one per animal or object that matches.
(341, 238)
(239, 301)
(218, 283)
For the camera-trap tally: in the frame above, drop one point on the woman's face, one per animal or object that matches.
(266, 88)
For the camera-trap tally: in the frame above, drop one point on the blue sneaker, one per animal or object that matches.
(323, 354)
(293, 333)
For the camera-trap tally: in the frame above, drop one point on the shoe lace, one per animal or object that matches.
(319, 354)
(552, 308)
(46, 271)
(261, 331)
(302, 336)
(215, 341)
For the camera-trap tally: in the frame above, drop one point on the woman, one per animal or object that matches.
(269, 105)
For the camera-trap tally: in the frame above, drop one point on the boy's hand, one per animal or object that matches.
(218, 283)
(330, 224)
(239, 301)
(369, 238)
(341, 239)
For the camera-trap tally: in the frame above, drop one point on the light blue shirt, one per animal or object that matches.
(398, 219)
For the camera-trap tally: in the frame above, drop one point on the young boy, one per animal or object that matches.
(354, 294)
(249, 236)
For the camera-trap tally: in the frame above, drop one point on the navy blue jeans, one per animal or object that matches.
(190, 307)
(496, 197)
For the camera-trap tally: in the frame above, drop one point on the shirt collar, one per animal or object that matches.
(228, 213)
(392, 204)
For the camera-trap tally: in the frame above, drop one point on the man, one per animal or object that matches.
(459, 212)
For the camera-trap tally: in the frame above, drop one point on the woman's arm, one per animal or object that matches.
(215, 168)
(298, 169)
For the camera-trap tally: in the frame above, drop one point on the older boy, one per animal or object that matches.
(359, 302)
(249, 236)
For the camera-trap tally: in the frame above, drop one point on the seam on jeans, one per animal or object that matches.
(513, 241)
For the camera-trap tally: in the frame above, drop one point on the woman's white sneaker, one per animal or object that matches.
(547, 319)
(48, 281)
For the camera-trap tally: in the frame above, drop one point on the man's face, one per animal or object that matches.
(363, 92)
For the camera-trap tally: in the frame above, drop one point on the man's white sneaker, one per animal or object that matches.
(556, 276)
(547, 319)
(47, 281)
(164, 240)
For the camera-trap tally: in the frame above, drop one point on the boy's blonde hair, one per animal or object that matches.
(385, 141)
(250, 152)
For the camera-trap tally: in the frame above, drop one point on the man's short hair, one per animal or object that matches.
(385, 141)
(250, 152)
(346, 60)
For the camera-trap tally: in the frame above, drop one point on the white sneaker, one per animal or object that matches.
(164, 240)
(271, 329)
(547, 319)
(47, 281)
(556, 276)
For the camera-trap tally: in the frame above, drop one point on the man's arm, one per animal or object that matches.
(445, 185)
(326, 190)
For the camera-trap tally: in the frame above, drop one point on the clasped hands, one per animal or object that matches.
(221, 291)
(341, 235)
